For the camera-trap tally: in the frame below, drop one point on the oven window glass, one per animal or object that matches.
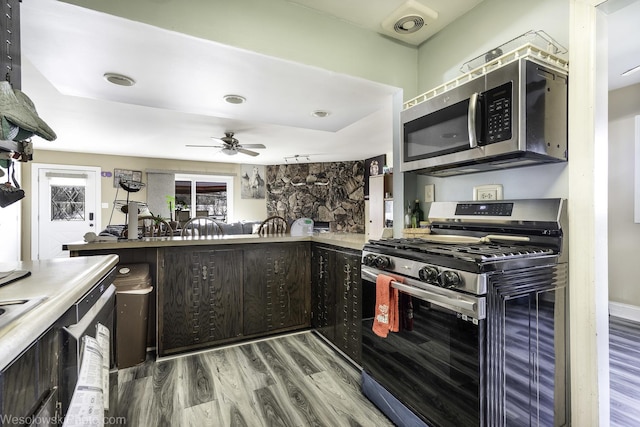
(441, 132)
(432, 364)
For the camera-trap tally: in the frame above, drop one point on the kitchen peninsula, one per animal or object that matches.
(224, 289)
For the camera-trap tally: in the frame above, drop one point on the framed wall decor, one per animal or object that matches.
(252, 182)
(125, 174)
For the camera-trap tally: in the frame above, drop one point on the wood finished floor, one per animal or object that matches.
(297, 380)
(293, 380)
(624, 365)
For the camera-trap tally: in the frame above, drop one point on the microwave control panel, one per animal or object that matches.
(499, 113)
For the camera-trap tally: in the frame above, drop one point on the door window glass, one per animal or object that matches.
(67, 201)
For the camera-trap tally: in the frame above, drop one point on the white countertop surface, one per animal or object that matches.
(61, 282)
(347, 240)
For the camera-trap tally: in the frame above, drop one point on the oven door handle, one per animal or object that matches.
(455, 304)
(470, 306)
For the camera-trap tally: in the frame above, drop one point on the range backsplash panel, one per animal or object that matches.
(325, 192)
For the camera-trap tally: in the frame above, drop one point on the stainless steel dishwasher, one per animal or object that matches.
(97, 306)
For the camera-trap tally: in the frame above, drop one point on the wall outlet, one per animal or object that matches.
(487, 192)
(430, 193)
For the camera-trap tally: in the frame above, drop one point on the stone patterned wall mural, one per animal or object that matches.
(326, 192)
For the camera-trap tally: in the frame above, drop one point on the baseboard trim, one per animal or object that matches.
(625, 311)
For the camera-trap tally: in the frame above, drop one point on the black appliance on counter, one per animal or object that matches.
(483, 299)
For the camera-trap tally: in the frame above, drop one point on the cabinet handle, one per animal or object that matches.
(347, 279)
(204, 272)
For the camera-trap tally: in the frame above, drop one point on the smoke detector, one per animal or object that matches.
(408, 22)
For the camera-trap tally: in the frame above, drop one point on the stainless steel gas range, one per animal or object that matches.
(482, 300)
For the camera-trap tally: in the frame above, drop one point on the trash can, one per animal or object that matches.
(133, 286)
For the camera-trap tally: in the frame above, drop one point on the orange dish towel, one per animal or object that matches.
(387, 317)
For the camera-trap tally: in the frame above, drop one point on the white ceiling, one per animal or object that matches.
(624, 41)
(181, 81)
(177, 99)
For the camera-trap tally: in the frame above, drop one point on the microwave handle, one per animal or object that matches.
(471, 120)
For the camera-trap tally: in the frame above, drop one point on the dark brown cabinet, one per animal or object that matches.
(277, 285)
(199, 297)
(28, 387)
(209, 295)
(337, 297)
(323, 307)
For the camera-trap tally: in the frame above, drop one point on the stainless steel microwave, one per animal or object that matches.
(515, 115)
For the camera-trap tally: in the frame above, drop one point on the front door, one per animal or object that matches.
(65, 207)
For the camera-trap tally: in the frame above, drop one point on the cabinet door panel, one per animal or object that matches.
(324, 298)
(31, 378)
(276, 287)
(348, 311)
(200, 297)
(18, 393)
(337, 297)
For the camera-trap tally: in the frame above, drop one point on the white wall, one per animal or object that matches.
(624, 234)
(489, 25)
(244, 209)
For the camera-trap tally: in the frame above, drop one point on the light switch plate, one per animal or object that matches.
(105, 205)
(488, 192)
(429, 193)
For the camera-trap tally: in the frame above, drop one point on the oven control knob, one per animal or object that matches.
(369, 260)
(383, 262)
(450, 279)
(428, 274)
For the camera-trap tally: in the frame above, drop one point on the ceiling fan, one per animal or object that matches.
(231, 146)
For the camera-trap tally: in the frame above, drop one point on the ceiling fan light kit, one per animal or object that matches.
(231, 146)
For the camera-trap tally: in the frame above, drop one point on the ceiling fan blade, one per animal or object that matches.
(207, 146)
(247, 152)
(253, 146)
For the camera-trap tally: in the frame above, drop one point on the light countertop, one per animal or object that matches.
(60, 282)
(346, 240)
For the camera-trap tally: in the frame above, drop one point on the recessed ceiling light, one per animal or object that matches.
(631, 70)
(235, 99)
(321, 114)
(119, 79)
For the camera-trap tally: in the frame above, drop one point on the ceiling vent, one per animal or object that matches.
(408, 23)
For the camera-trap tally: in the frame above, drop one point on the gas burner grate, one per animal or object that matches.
(477, 253)
(499, 252)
